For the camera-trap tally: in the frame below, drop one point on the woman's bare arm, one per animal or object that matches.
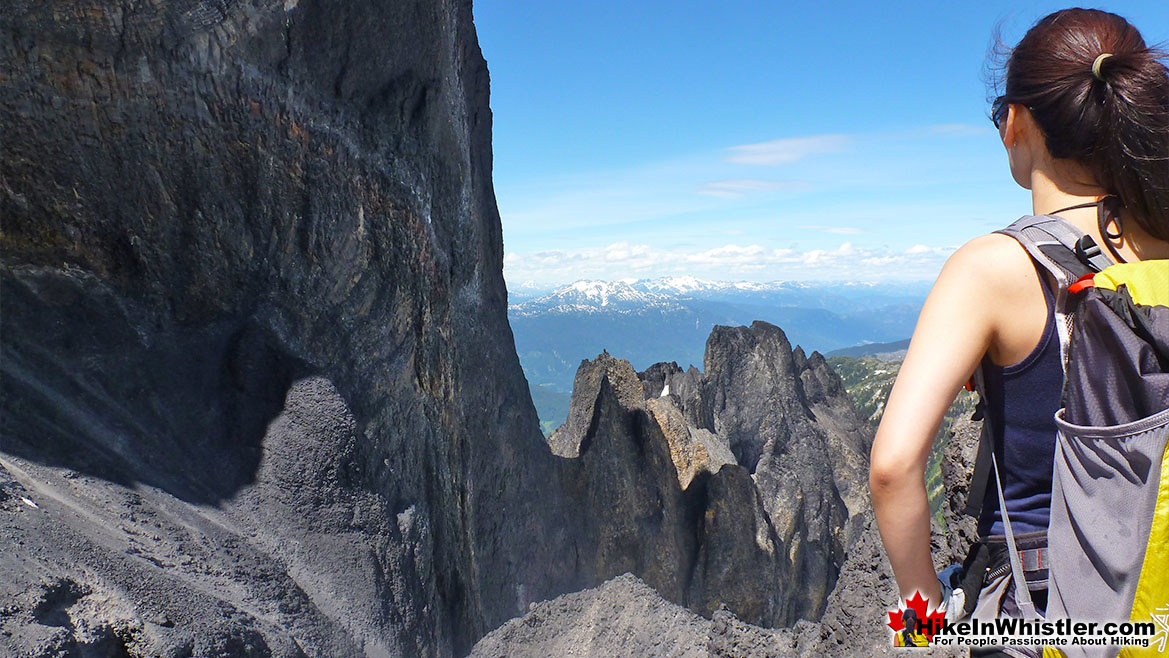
(985, 281)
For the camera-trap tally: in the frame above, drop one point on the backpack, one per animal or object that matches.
(1108, 535)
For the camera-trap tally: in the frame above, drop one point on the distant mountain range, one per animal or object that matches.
(669, 319)
(674, 292)
(886, 351)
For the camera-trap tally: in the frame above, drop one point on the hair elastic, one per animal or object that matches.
(1096, 65)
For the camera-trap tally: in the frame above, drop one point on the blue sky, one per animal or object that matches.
(749, 140)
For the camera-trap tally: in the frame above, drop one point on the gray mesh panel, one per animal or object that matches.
(1103, 494)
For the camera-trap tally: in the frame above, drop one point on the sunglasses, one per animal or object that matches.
(998, 111)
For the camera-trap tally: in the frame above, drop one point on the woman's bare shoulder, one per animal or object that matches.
(993, 249)
(992, 259)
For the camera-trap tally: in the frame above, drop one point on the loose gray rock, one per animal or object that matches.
(622, 617)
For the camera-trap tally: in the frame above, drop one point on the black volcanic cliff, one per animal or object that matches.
(257, 374)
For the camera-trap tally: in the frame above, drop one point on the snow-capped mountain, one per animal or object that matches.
(591, 297)
(669, 319)
(677, 285)
(635, 295)
(688, 285)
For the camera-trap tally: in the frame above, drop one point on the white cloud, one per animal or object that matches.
(786, 151)
(622, 260)
(921, 249)
(737, 187)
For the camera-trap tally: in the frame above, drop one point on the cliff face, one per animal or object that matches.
(257, 374)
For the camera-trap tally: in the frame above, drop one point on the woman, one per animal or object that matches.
(1085, 122)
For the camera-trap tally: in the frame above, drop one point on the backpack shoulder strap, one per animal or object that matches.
(1065, 251)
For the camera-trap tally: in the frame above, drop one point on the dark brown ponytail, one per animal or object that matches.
(1116, 123)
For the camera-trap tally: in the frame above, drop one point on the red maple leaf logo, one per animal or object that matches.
(929, 621)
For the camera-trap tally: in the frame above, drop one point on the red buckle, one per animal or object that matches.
(1083, 283)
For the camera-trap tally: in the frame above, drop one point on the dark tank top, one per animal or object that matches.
(1021, 403)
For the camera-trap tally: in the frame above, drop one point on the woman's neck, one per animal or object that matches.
(1057, 186)
(1053, 195)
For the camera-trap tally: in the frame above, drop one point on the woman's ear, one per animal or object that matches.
(1019, 132)
(1020, 128)
(1012, 125)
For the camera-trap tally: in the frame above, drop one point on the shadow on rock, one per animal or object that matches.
(92, 383)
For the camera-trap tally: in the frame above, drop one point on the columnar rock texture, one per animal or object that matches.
(755, 393)
(789, 422)
(258, 380)
(631, 511)
(756, 458)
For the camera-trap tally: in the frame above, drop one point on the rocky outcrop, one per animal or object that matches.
(849, 437)
(807, 451)
(741, 563)
(667, 379)
(959, 453)
(753, 391)
(631, 513)
(565, 440)
(768, 524)
(257, 373)
(693, 450)
(625, 617)
(596, 621)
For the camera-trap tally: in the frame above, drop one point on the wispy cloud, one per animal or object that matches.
(737, 187)
(838, 230)
(786, 151)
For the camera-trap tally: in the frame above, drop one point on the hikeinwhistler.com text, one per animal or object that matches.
(1053, 633)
